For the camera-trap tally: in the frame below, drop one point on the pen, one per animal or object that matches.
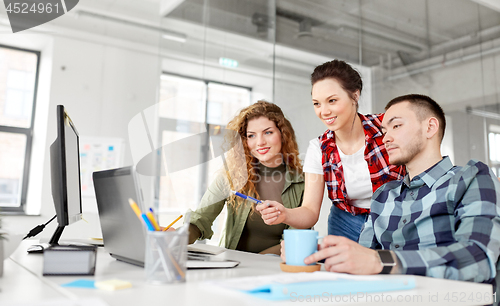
(170, 225)
(247, 197)
(152, 219)
(148, 223)
(140, 215)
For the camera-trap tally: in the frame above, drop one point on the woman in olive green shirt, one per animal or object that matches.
(267, 168)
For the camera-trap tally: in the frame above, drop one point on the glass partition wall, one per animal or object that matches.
(224, 60)
(448, 49)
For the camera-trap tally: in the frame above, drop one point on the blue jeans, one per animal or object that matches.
(342, 223)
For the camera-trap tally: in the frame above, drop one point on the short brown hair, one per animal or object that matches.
(424, 107)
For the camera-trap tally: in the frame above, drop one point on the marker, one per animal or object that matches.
(247, 197)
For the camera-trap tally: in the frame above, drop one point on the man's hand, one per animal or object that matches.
(346, 256)
(272, 212)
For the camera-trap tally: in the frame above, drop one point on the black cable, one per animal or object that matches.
(38, 229)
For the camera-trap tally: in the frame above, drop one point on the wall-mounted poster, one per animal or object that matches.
(96, 154)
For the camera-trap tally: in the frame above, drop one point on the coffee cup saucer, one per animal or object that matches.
(295, 269)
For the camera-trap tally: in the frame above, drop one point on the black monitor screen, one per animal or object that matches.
(65, 173)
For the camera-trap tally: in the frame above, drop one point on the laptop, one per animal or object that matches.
(122, 232)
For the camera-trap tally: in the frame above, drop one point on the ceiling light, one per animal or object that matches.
(174, 36)
(482, 113)
(262, 22)
(127, 20)
(305, 28)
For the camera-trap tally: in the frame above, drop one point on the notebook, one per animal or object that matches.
(123, 234)
(326, 286)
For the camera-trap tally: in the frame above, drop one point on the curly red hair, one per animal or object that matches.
(289, 148)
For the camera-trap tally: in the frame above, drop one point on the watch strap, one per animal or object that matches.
(386, 260)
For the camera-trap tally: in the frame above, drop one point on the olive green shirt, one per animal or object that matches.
(213, 201)
(257, 236)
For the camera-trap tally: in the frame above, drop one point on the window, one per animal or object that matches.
(18, 83)
(192, 107)
(494, 144)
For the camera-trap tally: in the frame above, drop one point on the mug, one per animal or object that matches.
(299, 243)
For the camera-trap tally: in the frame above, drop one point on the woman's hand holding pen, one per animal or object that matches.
(272, 212)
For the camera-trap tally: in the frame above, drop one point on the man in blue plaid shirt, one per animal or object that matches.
(440, 220)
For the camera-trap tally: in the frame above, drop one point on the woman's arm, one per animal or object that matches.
(276, 249)
(301, 217)
(209, 208)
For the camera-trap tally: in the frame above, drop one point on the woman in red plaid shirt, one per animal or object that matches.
(349, 157)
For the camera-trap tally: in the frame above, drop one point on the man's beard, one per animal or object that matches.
(413, 150)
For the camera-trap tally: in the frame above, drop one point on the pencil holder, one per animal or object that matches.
(166, 256)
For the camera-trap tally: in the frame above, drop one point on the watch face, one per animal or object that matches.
(386, 257)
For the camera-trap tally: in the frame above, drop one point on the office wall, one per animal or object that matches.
(455, 86)
(102, 86)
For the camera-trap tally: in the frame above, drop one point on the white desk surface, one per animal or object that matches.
(23, 282)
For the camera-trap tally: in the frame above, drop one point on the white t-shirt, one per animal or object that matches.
(356, 173)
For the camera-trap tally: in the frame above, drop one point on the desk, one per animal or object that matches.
(23, 281)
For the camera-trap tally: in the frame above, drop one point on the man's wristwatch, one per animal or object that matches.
(386, 260)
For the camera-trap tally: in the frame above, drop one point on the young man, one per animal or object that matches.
(440, 221)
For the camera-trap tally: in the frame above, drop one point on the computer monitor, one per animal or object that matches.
(65, 174)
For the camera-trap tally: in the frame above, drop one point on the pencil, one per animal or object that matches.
(181, 273)
(170, 225)
(135, 208)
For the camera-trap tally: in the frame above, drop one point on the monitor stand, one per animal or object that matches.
(39, 248)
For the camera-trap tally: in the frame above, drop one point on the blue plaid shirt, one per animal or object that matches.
(444, 223)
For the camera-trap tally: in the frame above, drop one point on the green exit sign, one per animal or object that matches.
(227, 62)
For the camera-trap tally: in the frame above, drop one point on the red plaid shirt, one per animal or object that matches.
(375, 155)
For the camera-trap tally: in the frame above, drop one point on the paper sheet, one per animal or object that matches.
(62, 302)
(249, 283)
(80, 283)
(285, 286)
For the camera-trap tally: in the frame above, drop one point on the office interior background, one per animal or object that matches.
(188, 66)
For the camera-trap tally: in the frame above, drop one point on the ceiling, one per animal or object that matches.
(403, 36)
(410, 34)
(386, 33)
